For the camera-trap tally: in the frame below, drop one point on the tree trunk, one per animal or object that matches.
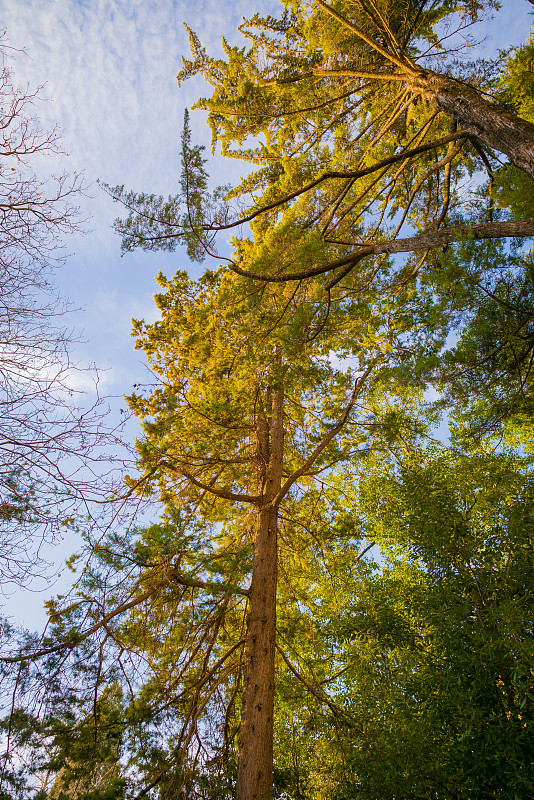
(496, 128)
(255, 759)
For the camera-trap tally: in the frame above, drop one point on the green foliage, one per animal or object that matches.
(86, 755)
(518, 80)
(513, 189)
(82, 752)
(487, 373)
(459, 531)
(430, 649)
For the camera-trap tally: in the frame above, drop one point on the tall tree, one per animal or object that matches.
(248, 412)
(46, 439)
(255, 418)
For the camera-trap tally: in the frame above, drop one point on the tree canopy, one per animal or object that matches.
(357, 137)
(334, 603)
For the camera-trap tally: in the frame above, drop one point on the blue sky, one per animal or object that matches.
(110, 70)
(109, 67)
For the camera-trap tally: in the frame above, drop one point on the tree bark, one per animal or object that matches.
(255, 758)
(496, 128)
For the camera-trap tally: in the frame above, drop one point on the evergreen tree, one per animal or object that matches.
(369, 137)
(248, 412)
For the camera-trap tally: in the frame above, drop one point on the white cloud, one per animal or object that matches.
(110, 66)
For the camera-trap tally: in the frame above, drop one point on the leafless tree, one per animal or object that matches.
(51, 455)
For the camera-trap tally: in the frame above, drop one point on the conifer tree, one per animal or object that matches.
(247, 410)
(365, 131)
(249, 415)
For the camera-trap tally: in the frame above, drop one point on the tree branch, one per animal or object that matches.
(223, 493)
(80, 638)
(422, 241)
(361, 35)
(173, 574)
(328, 438)
(355, 174)
(320, 694)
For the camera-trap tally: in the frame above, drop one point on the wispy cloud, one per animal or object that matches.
(110, 68)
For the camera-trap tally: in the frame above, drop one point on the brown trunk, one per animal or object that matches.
(502, 131)
(255, 759)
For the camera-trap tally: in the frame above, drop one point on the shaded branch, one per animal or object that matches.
(223, 493)
(320, 694)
